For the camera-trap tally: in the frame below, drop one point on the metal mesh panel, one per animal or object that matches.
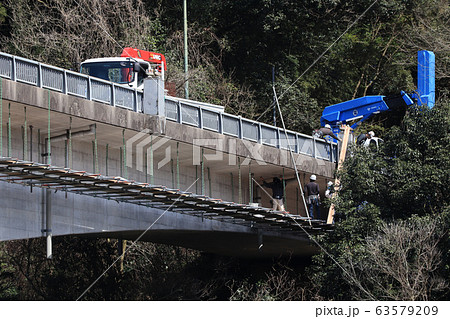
(27, 72)
(230, 125)
(172, 110)
(323, 150)
(305, 145)
(5, 66)
(250, 130)
(100, 91)
(268, 135)
(210, 120)
(288, 143)
(124, 97)
(53, 79)
(140, 96)
(189, 114)
(77, 85)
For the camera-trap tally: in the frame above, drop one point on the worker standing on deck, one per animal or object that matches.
(312, 197)
(324, 131)
(277, 192)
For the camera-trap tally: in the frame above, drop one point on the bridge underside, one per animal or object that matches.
(238, 244)
(83, 203)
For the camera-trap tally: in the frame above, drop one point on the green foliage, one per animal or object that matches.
(8, 288)
(76, 264)
(408, 176)
(2, 14)
(233, 46)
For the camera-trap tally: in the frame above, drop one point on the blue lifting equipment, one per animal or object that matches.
(362, 108)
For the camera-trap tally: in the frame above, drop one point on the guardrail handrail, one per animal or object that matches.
(300, 143)
(91, 88)
(69, 82)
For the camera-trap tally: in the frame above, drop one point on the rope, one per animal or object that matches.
(290, 151)
(316, 60)
(264, 190)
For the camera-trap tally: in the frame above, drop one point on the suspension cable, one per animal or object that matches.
(291, 153)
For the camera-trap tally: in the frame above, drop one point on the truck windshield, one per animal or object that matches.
(118, 72)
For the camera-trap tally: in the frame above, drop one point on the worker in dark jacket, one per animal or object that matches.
(277, 192)
(312, 197)
(324, 131)
(362, 138)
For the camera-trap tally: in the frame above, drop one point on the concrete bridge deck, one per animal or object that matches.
(91, 136)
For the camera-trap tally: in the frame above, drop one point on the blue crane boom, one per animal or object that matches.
(364, 107)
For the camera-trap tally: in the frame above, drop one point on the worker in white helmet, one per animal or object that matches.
(312, 197)
(363, 138)
(324, 131)
(330, 190)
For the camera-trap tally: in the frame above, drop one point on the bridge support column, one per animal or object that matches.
(48, 223)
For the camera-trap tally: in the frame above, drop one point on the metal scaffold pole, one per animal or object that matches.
(25, 136)
(9, 130)
(1, 117)
(186, 77)
(49, 145)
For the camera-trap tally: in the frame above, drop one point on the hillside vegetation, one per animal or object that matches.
(392, 240)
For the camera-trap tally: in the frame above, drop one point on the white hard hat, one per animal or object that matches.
(372, 134)
(330, 183)
(328, 126)
(313, 177)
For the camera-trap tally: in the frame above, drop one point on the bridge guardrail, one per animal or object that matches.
(236, 126)
(95, 89)
(69, 82)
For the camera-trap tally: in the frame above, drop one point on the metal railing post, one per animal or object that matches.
(200, 117)
(113, 94)
(14, 69)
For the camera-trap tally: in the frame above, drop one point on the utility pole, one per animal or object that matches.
(274, 101)
(186, 82)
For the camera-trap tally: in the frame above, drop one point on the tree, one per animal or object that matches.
(400, 262)
(408, 176)
(77, 263)
(67, 32)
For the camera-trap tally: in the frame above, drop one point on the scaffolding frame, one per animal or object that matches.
(119, 189)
